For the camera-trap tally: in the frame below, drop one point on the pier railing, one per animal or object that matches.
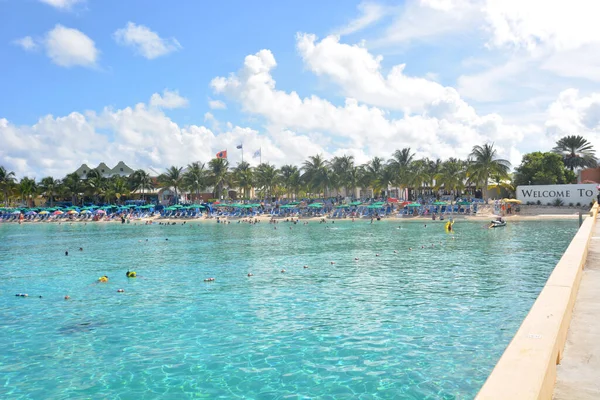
(527, 369)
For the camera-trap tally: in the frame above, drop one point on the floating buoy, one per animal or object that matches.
(250, 274)
(283, 271)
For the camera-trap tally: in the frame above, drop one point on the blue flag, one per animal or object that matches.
(256, 153)
(239, 146)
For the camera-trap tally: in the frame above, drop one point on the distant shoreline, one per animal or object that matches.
(531, 215)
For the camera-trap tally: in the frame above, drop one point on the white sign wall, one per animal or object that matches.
(582, 193)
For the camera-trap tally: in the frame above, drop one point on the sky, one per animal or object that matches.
(156, 84)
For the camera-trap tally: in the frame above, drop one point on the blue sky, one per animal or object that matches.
(101, 80)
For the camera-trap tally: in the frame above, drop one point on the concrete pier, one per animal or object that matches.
(578, 375)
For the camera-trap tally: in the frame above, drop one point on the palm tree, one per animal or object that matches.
(400, 163)
(141, 180)
(374, 171)
(117, 188)
(505, 183)
(7, 178)
(576, 151)
(341, 167)
(219, 173)
(244, 177)
(316, 174)
(289, 176)
(266, 178)
(172, 179)
(96, 185)
(419, 175)
(451, 176)
(483, 164)
(72, 186)
(28, 188)
(48, 186)
(195, 177)
(354, 176)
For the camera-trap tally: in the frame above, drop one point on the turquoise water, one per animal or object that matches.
(427, 323)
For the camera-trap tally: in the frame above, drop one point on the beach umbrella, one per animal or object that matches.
(44, 212)
(57, 212)
(315, 205)
(440, 203)
(392, 200)
(414, 205)
(72, 212)
(100, 211)
(30, 213)
(355, 203)
(512, 201)
(463, 203)
(86, 212)
(16, 212)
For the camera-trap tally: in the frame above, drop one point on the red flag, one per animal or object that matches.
(222, 154)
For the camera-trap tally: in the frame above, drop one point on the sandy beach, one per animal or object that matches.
(528, 213)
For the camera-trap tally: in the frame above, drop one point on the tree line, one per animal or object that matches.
(316, 176)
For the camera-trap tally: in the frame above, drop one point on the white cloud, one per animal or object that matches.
(143, 136)
(69, 47)
(145, 42)
(533, 24)
(370, 13)
(62, 4)
(359, 75)
(169, 99)
(26, 43)
(217, 105)
(446, 126)
(573, 114)
(422, 20)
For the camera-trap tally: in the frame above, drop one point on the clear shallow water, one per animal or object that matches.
(427, 323)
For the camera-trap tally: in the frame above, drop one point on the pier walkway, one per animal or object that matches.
(578, 375)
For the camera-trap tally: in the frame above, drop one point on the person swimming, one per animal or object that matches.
(103, 279)
(130, 274)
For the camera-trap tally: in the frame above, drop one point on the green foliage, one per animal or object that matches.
(484, 164)
(576, 152)
(541, 169)
(558, 203)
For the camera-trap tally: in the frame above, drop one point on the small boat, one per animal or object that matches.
(497, 224)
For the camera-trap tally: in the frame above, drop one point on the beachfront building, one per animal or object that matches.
(105, 171)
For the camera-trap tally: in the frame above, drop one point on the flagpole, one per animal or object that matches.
(242, 154)
(260, 154)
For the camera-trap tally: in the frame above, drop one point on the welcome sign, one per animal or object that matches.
(582, 193)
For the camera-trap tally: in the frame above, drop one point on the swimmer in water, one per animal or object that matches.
(66, 252)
